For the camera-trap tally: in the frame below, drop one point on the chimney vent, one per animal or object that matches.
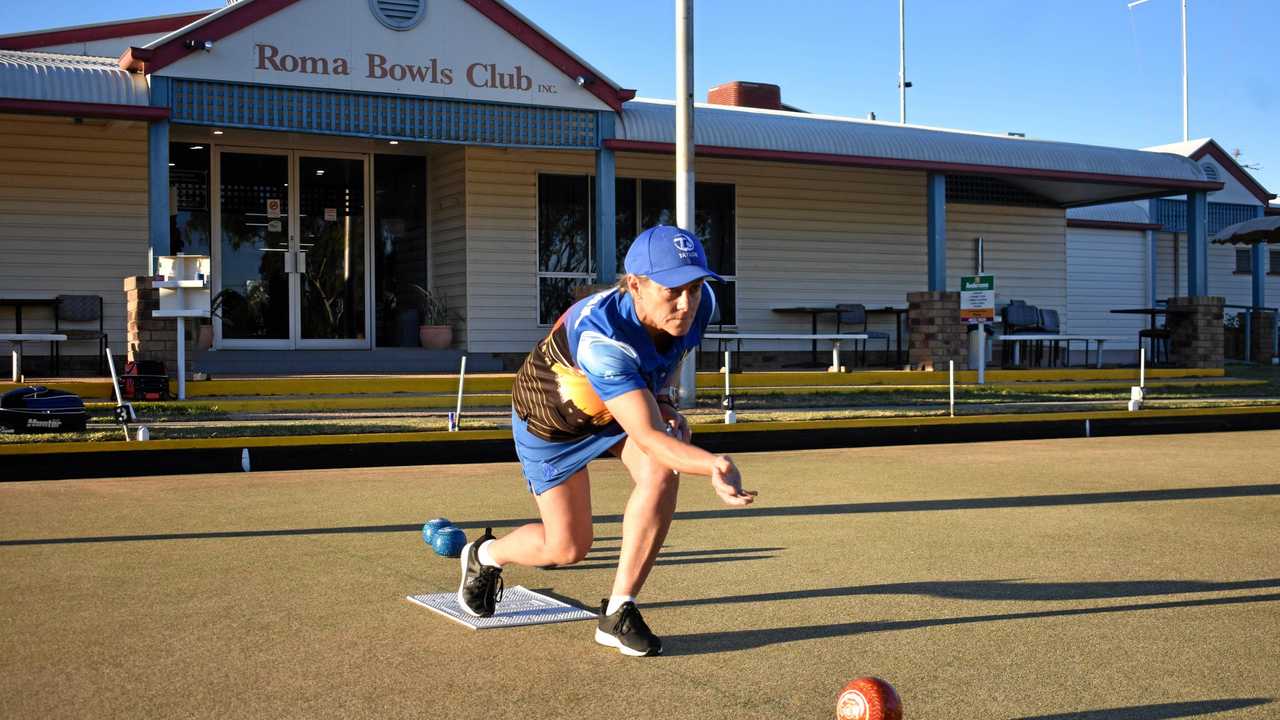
(746, 94)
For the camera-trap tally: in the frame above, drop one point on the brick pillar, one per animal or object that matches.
(153, 338)
(1264, 336)
(937, 333)
(1195, 324)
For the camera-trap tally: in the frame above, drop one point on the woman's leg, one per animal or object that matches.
(646, 519)
(562, 538)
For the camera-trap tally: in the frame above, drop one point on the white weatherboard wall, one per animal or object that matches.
(1223, 280)
(1025, 248)
(805, 234)
(73, 216)
(1106, 270)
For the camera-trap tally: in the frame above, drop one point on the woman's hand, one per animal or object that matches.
(727, 482)
(678, 427)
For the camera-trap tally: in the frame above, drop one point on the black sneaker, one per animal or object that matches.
(481, 586)
(625, 630)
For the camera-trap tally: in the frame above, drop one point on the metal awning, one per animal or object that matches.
(1068, 174)
(1250, 232)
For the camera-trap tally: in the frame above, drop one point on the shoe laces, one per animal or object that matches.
(490, 582)
(629, 620)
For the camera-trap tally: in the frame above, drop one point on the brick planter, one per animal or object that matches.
(937, 333)
(154, 338)
(1195, 324)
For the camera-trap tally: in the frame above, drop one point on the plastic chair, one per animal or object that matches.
(81, 308)
(1050, 323)
(1018, 317)
(855, 316)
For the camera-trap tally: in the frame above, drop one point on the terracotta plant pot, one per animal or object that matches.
(435, 337)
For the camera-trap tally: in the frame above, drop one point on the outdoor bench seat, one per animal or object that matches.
(835, 338)
(1018, 338)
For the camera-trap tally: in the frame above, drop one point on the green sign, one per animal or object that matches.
(973, 283)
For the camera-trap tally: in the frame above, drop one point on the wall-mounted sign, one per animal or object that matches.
(455, 52)
(273, 207)
(330, 214)
(273, 226)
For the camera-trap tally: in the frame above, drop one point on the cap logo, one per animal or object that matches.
(683, 243)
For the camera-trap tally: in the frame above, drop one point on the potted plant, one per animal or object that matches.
(434, 331)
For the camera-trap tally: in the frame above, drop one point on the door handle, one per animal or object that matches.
(290, 261)
(302, 261)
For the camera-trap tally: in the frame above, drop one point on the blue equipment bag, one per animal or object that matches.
(39, 409)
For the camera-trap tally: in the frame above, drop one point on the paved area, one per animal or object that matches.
(1118, 578)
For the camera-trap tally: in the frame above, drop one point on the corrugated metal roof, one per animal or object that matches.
(1125, 212)
(772, 130)
(28, 75)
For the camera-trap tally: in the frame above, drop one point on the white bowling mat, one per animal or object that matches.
(519, 606)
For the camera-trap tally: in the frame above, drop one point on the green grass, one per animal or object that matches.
(172, 420)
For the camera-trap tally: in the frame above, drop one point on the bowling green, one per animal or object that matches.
(1116, 578)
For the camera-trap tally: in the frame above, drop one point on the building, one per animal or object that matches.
(456, 146)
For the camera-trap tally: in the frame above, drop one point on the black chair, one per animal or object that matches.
(1159, 339)
(1018, 317)
(855, 316)
(1050, 323)
(716, 325)
(81, 308)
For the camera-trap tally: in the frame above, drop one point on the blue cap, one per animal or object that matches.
(668, 256)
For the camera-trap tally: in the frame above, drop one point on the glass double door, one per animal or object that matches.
(292, 257)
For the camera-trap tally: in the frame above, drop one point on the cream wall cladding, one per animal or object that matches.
(455, 52)
(447, 196)
(1024, 247)
(1224, 281)
(805, 235)
(73, 215)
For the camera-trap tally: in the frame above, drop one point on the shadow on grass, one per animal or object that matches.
(718, 642)
(684, 557)
(997, 590)
(760, 511)
(1162, 711)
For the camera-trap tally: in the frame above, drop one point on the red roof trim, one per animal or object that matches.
(1253, 186)
(241, 16)
(549, 50)
(1110, 225)
(897, 164)
(93, 110)
(105, 31)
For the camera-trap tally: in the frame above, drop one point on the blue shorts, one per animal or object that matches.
(547, 464)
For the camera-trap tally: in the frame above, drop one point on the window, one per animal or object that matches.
(1244, 261)
(714, 224)
(188, 198)
(1274, 268)
(400, 246)
(566, 234)
(566, 216)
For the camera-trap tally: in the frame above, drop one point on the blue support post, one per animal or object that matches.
(937, 229)
(1197, 244)
(606, 239)
(1258, 256)
(158, 177)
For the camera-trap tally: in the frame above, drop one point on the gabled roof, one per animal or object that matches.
(1197, 149)
(99, 31)
(1070, 174)
(237, 16)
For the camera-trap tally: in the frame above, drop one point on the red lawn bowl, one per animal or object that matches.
(868, 698)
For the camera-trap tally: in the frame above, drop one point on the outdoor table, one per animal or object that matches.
(1152, 311)
(813, 312)
(898, 313)
(16, 340)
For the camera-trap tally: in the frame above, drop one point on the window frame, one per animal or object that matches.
(1248, 264)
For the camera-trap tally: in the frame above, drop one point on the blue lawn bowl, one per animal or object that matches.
(449, 541)
(429, 529)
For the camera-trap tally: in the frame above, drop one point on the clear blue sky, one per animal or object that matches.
(1090, 71)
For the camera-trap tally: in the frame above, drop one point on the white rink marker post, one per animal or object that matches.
(730, 417)
(455, 421)
(951, 385)
(1138, 393)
